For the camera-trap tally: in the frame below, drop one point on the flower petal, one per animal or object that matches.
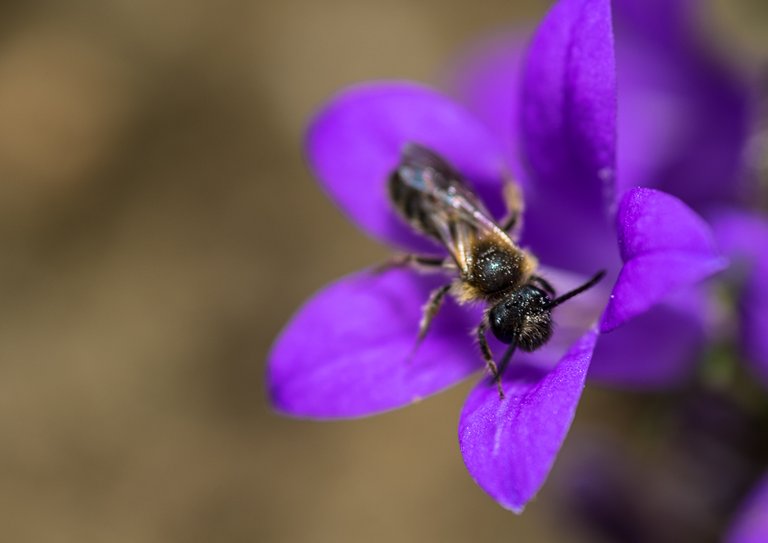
(684, 117)
(658, 349)
(355, 142)
(568, 137)
(751, 523)
(665, 246)
(568, 112)
(345, 353)
(509, 445)
(486, 78)
(742, 236)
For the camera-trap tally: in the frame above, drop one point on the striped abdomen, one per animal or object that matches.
(415, 205)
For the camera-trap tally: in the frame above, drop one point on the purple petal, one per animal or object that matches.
(561, 237)
(345, 353)
(568, 116)
(355, 142)
(684, 117)
(742, 236)
(658, 349)
(568, 137)
(665, 246)
(751, 523)
(509, 445)
(486, 78)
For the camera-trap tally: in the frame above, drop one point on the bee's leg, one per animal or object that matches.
(488, 355)
(513, 198)
(543, 283)
(505, 362)
(412, 261)
(431, 308)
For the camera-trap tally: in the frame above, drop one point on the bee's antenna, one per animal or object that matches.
(568, 295)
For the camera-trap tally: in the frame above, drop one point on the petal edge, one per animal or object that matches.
(665, 247)
(345, 353)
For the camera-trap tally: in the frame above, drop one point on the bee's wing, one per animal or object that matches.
(455, 212)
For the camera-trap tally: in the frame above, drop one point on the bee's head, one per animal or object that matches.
(524, 317)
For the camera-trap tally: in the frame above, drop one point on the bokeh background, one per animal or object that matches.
(157, 228)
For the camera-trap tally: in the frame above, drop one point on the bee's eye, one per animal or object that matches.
(504, 319)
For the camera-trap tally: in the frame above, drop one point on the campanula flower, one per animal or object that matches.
(684, 122)
(695, 147)
(346, 352)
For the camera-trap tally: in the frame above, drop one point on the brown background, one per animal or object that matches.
(157, 228)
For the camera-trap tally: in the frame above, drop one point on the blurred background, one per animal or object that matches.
(157, 228)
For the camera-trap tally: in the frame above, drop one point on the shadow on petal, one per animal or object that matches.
(656, 350)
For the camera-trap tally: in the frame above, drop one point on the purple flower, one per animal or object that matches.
(684, 123)
(345, 354)
(695, 148)
(700, 153)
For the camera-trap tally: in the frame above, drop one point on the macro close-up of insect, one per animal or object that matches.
(382, 271)
(484, 257)
(556, 247)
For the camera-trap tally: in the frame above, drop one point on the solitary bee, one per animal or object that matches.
(489, 266)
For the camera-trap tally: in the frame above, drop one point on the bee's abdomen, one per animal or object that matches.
(412, 204)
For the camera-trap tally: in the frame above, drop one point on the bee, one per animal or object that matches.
(483, 256)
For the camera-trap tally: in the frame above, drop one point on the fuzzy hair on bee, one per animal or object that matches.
(484, 260)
